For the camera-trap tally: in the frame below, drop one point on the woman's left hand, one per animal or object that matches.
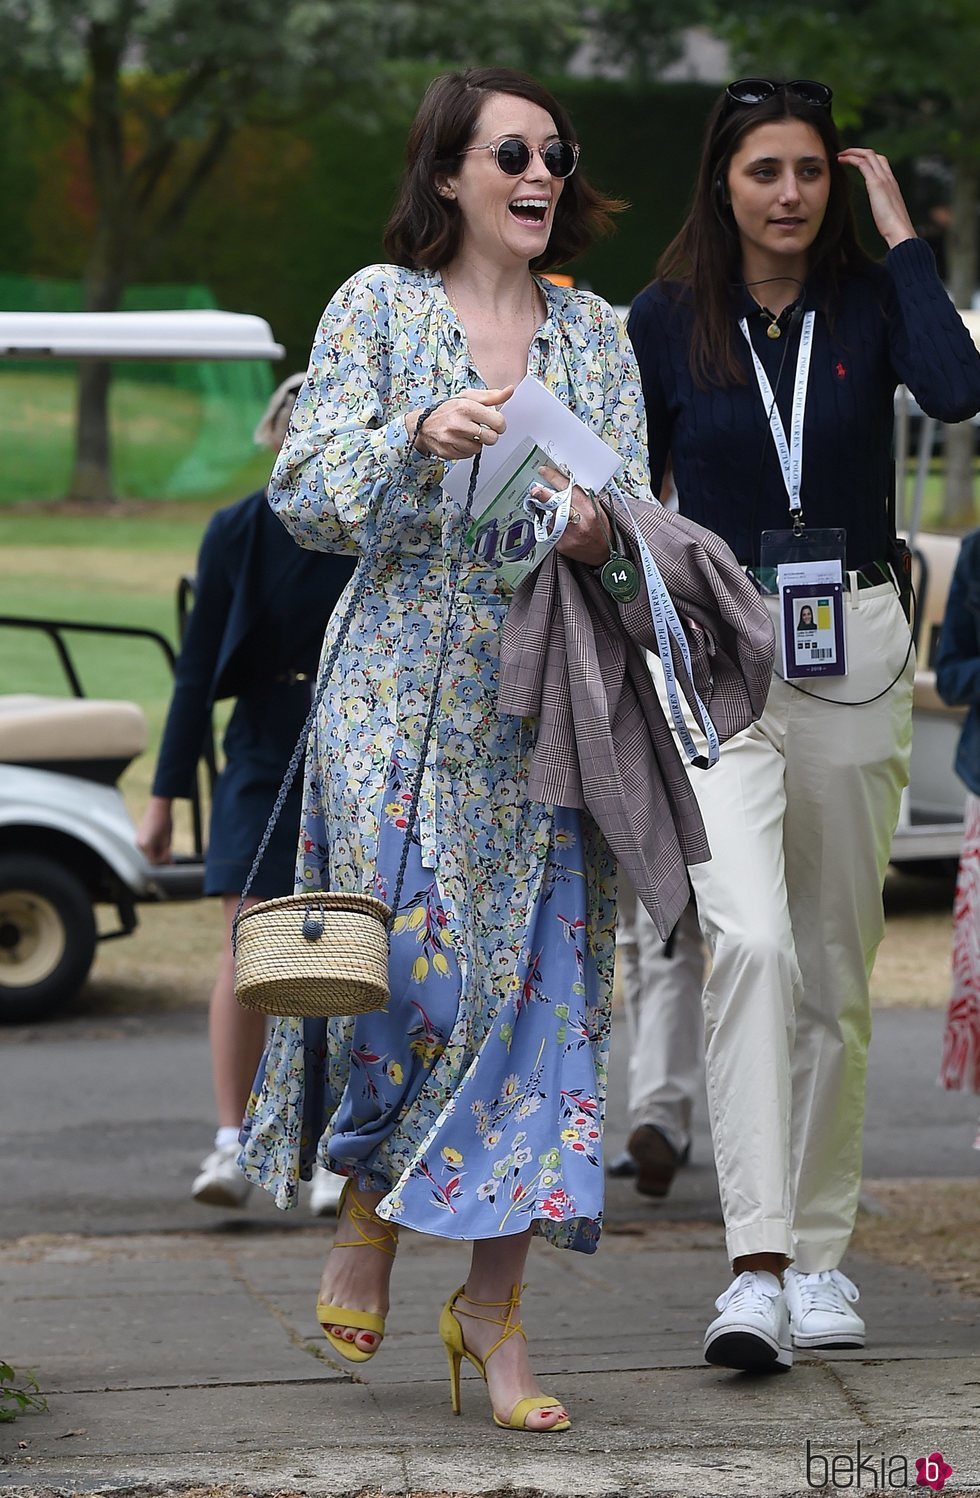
(884, 194)
(586, 538)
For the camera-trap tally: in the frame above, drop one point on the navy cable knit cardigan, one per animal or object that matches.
(893, 324)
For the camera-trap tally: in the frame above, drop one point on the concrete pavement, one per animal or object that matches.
(180, 1351)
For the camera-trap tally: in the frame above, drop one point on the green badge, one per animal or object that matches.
(620, 579)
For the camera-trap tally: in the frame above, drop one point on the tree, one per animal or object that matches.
(910, 64)
(157, 88)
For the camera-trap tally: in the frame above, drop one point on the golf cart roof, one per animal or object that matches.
(136, 335)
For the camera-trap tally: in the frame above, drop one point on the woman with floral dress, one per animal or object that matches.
(471, 1108)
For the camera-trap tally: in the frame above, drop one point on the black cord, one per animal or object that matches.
(864, 701)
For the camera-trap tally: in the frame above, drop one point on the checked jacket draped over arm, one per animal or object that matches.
(573, 658)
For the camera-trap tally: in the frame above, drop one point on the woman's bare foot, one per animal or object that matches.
(358, 1267)
(509, 1375)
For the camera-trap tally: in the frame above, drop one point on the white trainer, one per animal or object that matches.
(821, 1309)
(219, 1182)
(752, 1333)
(325, 1192)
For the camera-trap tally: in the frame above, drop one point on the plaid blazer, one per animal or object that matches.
(573, 658)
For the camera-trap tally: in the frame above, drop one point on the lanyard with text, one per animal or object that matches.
(790, 453)
(667, 624)
(808, 564)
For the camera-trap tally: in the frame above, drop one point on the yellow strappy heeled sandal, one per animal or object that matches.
(456, 1350)
(329, 1314)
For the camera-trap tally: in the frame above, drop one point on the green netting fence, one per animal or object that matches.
(178, 430)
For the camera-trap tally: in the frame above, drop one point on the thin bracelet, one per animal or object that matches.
(423, 452)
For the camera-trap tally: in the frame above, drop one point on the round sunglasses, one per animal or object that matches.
(513, 156)
(757, 90)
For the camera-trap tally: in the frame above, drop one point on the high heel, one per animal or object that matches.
(327, 1313)
(451, 1333)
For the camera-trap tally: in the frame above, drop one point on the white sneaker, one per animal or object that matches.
(220, 1183)
(752, 1332)
(820, 1309)
(325, 1192)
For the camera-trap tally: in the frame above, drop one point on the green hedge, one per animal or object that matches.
(298, 205)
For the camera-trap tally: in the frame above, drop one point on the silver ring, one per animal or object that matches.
(575, 517)
(479, 433)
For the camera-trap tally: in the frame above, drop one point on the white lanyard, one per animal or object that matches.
(790, 453)
(550, 516)
(667, 623)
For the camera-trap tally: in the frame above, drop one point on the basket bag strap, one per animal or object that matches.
(357, 590)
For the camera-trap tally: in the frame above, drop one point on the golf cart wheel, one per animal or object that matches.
(47, 937)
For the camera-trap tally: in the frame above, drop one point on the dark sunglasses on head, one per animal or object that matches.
(758, 90)
(513, 156)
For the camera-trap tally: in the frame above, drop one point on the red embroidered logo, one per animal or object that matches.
(840, 370)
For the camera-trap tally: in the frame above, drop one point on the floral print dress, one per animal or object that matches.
(475, 1101)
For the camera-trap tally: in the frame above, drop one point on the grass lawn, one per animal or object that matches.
(155, 431)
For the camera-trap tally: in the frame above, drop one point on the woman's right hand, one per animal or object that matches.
(460, 426)
(155, 833)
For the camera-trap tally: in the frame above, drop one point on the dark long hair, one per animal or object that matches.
(705, 257)
(425, 229)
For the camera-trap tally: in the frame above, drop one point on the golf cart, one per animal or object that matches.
(67, 842)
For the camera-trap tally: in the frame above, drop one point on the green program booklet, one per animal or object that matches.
(502, 535)
(540, 430)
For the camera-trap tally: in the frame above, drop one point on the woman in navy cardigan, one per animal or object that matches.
(261, 606)
(769, 350)
(958, 683)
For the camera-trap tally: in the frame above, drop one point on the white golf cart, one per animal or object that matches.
(67, 842)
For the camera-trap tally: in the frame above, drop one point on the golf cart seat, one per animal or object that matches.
(81, 736)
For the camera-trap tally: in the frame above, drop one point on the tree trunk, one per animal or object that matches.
(91, 478)
(107, 272)
(958, 504)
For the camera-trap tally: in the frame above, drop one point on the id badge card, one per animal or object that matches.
(812, 619)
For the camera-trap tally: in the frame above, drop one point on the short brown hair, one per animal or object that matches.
(424, 229)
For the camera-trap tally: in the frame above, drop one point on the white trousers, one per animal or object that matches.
(662, 999)
(799, 813)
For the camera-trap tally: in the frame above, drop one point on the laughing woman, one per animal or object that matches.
(472, 1107)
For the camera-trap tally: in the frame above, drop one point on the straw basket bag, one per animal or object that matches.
(313, 955)
(324, 953)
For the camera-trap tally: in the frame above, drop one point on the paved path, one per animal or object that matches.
(179, 1347)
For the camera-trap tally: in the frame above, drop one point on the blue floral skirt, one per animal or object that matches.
(517, 1142)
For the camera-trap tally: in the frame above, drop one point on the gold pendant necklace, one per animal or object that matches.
(773, 330)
